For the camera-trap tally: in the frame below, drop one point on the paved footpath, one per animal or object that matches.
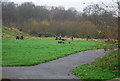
(56, 69)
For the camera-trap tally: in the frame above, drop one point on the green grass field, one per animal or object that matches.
(35, 51)
(105, 68)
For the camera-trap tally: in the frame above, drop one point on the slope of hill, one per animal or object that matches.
(12, 32)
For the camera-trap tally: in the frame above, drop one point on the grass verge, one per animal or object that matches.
(105, 68)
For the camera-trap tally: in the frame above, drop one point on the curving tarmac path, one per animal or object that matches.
(56, 69)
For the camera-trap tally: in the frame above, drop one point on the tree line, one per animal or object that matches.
(94, 21)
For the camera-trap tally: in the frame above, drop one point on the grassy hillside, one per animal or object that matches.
(12, 32)
(104, 68)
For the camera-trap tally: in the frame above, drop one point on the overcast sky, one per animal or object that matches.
(77, 4)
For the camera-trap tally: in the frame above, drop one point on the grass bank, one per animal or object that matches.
(101, 69)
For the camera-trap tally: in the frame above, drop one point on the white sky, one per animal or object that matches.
(77, 4)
